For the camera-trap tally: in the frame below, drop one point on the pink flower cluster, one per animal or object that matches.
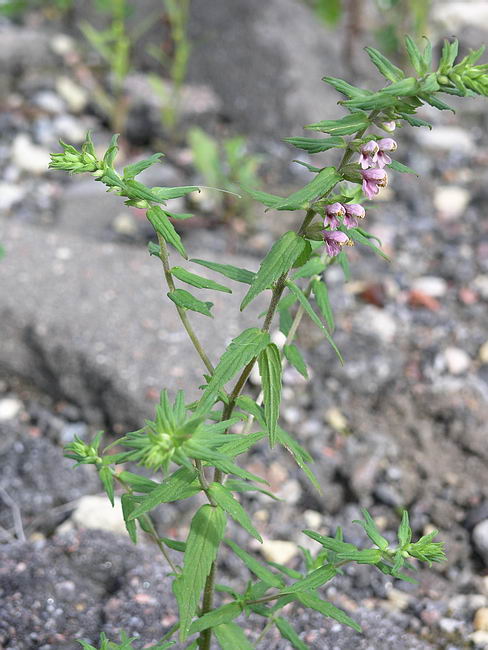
(333, 238)
(373, 158)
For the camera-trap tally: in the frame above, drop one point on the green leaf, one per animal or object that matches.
(301, 456)
(165, 228)
(372, 531)
(223, 497)
(237, 485)
(361, 239)
(288, 633)
(322, 183)
(239, 353)
(197, 280)
(449, 54)
(256, 567)
(269, 361)
(110, 154)
(131, 171)
(437, 103)
(427, 54)
(366, 556)
(278, 261)
(345, 88)
(386, 67)
(327, 609)
(178, 215)
(173, 544)
(347, 125)
(415, 56)
(414, 121)
(314, 266)
(166, 193)
(331, 543)
(127, 509)
(240, 444)
(107, 479)
(321, 294)
(313, 580)
(219, 616)
(137, 482)
(311, 168)
(231, 272)
(314, 145)
(344, 262)
(185, 300)
(206, 532)
(399, 167)
(308, 308)
(232, 636)
(404, 531)
(269, 200)
(388, 571)
(292, 353)
(180, 485)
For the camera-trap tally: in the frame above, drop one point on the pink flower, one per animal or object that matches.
(334, 240)
(354, 211)
(369, 154)
(385, 145)
(373, 179)
(332, 212)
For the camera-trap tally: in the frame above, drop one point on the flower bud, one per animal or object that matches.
(332, 212)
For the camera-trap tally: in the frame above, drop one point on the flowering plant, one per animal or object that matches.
(196, 446)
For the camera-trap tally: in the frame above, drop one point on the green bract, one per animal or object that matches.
(197, 446)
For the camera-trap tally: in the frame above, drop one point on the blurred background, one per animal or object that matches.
(87, 343)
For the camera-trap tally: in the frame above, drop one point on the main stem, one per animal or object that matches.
(205, 637)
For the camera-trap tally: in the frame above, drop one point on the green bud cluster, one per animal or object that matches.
(77, 162)
(464, 78)
(84, 453)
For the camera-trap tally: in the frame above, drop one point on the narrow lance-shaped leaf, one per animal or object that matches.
(232, 636)
(321, 294)
(308, 308)
(269, 362)
(206, 532)
(327, 609)
(279, 260)
(224, 614)
(231, 272)
(313, 580)
(130, 524)
(239, 353)
(292, 353)
(315, 145)
(386, 67)
(107, 479)
(224, 498)
(131, 171)
(165, 228)
(256, 567)
(180, 485)
(323, 182)
(288, 633)
(197, 280)
(185, 300)
(347, 125)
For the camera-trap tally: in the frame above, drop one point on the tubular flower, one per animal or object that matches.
(386, 145)
(354, 211)
(332, 212)
(369, 154)
(334, 240)
(373, 179)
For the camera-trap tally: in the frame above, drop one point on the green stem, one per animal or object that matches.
(164, 257)
(205, 637)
